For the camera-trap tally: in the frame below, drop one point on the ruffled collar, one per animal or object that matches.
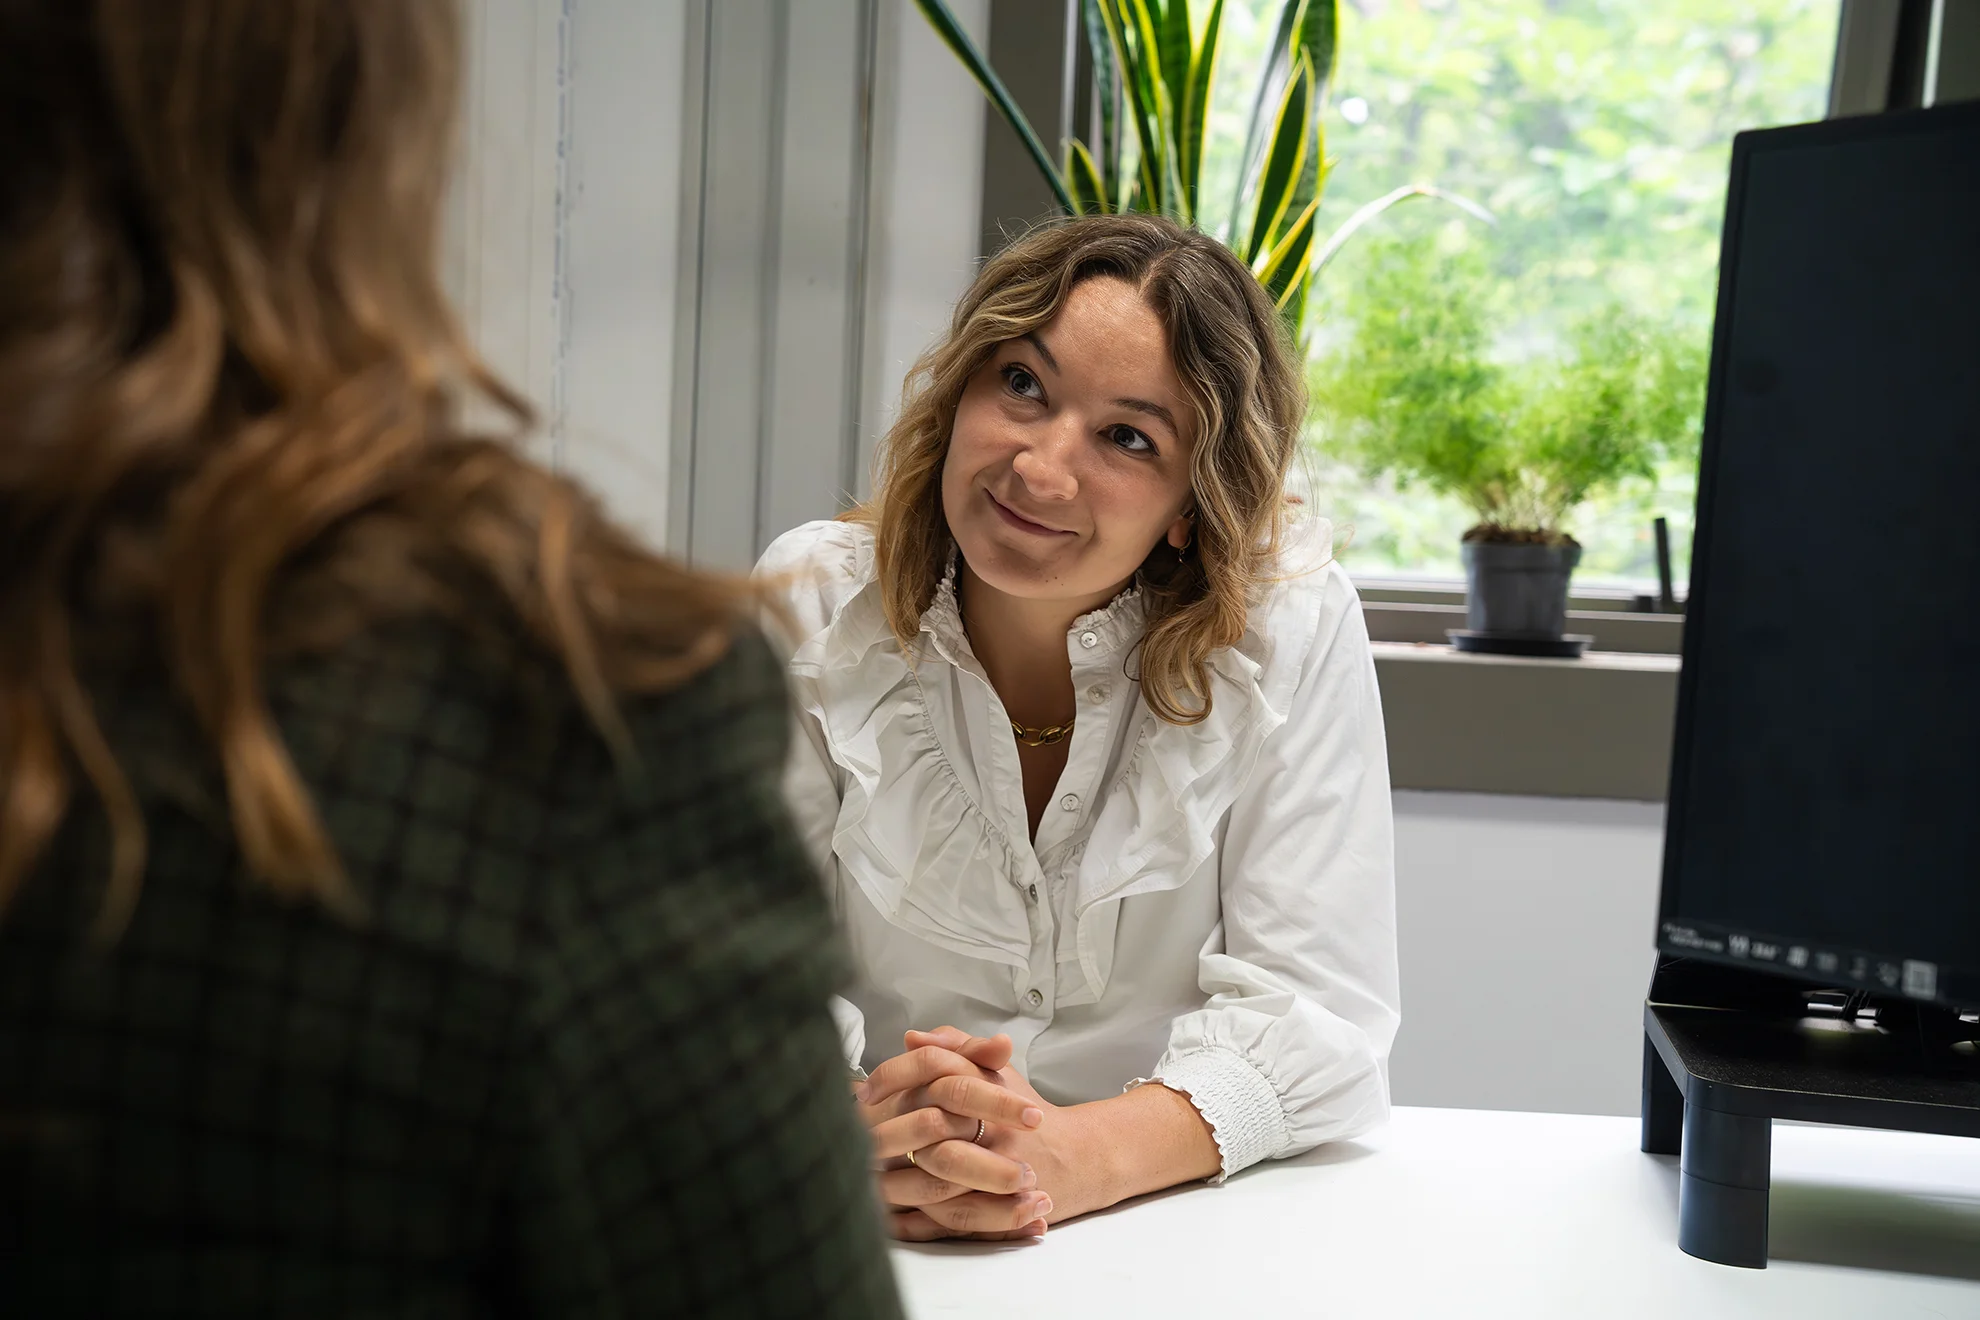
(1154, 829)
(1113, 627)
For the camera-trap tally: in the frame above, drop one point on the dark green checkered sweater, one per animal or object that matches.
(577, 1062)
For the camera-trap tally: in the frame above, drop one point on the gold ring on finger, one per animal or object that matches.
(910, 1159)
(977, 1140)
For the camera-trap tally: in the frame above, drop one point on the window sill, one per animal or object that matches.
(1597, 727)
(1612, 598)
(1613, 630)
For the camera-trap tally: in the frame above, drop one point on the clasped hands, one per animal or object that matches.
(926, 1104)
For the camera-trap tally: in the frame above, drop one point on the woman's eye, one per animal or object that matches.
(1022, 382)
(1126, 437)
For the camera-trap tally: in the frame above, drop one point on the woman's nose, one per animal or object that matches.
(1046, 466)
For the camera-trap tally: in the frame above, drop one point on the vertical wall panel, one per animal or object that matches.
(926, 201)
(502, 255)
(734, 267)
(832, 182)
(815, 319)
(622, 237)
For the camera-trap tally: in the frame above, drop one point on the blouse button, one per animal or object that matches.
(1070, 802)
(1033, 998)
(1089, 639)
(1098, 693)
(1033, 891)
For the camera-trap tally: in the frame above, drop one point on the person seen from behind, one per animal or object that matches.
(398, 914)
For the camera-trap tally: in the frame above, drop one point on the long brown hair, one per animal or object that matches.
(1242, 379)
(225, 356)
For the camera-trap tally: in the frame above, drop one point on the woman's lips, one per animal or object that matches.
(1022, 523)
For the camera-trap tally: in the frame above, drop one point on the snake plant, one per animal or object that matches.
(1152, 70)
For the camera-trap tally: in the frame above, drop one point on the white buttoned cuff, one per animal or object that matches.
(1235, 1099)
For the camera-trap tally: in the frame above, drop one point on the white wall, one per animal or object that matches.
(622, 230)
(502, 244)
(564, 229)
(719, 369)
(766, 436)
(1526, 928)
(822, 185)
(927, 199)
(831, 226)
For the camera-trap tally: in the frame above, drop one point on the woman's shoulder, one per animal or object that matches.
(727, 724)
(813, 571)
(433, 688)
(1307, 608)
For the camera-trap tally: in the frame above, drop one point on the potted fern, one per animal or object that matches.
(1415, 390)
(1153, 64)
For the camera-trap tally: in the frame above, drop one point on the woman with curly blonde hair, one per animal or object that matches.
(1091, 751)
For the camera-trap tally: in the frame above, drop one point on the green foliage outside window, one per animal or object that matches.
(1598, 133)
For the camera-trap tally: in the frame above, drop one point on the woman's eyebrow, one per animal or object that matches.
(1031, 337)
(1154, 410)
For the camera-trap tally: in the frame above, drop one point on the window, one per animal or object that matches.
(1597, 132)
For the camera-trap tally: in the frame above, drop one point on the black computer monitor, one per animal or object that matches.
(1824, 816)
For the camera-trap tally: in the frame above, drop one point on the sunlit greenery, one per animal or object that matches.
(1416, 391)
(1598, 132)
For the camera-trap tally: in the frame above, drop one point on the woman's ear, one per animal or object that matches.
(1182, 531)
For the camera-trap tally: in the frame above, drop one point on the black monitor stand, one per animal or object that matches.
(1727, 1051)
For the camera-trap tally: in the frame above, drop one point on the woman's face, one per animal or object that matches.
(1070, 457)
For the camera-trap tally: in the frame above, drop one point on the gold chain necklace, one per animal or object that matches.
(1039, 737)
(1042, 737)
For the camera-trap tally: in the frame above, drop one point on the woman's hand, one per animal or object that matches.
(927, 1103)
(1062, 1150)
(1097, 1154)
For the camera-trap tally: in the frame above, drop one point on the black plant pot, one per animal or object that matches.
(1517, 591)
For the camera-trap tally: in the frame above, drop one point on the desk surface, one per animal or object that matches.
(1467, 1213)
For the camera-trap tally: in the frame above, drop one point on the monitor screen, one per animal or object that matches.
(1825, 795)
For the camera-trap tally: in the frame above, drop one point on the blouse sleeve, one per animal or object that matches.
(792, 567)
(1291, 1049)
(811, 789)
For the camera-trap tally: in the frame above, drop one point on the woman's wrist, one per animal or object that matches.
(1142, 1141)
(1095, 1154)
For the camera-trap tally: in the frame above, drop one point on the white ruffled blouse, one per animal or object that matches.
(1211, 906)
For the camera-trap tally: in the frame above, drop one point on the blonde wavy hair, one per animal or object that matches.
(228, 379)
(1242, 380)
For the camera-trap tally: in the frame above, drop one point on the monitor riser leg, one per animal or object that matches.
(1663, 1105)
(1722, 1187)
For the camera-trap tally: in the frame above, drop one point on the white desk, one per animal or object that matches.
(1456, 1214)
